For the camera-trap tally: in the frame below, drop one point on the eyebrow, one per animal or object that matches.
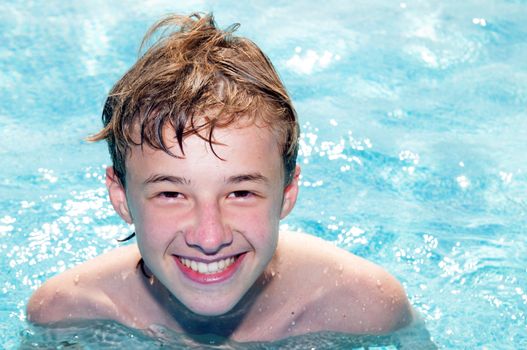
(235, 179)
(252, 177)
(155, 178)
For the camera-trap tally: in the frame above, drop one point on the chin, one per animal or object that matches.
(210, 308)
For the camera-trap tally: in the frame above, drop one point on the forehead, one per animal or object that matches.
(240, 148)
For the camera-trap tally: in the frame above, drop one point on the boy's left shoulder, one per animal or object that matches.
(339, 290)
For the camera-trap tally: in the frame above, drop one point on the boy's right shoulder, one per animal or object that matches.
(86, 291)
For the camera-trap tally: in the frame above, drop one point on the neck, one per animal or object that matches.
(194, 324)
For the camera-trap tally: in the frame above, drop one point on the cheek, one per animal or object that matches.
(260, 223)
(153, 227)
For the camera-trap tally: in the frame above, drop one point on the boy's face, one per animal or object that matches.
(207, 228)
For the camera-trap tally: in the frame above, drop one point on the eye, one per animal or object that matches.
(171, 195)
(241, 194)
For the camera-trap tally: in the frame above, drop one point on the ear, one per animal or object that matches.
(290, 194)
(117, 195)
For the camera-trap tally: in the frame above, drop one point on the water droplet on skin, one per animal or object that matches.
(293, 323)
(76, 279)
(341, 268)
(326, 270)
(273, 273)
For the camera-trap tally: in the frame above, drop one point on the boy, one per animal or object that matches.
(203, 139)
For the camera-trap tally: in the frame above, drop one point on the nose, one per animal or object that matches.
(209, 234)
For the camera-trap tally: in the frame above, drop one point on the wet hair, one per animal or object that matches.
(195, 78)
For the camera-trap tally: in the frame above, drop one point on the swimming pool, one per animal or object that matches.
(414, 121)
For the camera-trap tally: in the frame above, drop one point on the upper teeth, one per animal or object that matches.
(212, 267)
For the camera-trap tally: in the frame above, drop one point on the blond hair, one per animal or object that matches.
(194, 79)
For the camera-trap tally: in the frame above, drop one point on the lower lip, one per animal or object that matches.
(210, 278)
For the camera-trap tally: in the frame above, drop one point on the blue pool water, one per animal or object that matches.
(414, 129)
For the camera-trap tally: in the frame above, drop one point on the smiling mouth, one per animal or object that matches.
(208, 268)
(210, 272)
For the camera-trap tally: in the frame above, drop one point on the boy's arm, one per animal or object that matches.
(367, 302)
(64, 297)
(88, 291)
(346, 293)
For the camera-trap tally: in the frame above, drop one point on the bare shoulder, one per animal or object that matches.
(86, 291)
(341, 291)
